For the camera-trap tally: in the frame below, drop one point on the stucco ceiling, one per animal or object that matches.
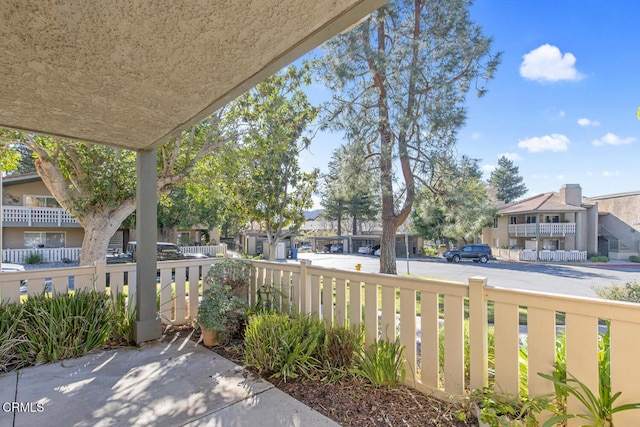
(134, 73)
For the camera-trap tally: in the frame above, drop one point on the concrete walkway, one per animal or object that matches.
(175, 383)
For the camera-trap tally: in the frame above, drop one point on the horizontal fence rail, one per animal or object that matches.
(440, 323)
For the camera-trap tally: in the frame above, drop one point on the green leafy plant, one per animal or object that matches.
(599, 258)
(629, 292)
(235, 273)
(281, 346)
(220, 309)
(634, 258)
(33, 258)
(382, 364)
(600, 407)
(505, 410)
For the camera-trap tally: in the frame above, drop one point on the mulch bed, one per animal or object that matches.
(351, 402)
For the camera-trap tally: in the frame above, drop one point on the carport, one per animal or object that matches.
(135, 74)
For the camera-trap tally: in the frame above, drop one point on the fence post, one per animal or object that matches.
(305, 287)
(100, 268)
(478, 345)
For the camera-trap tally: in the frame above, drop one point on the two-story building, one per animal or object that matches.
(549, 221)
(32, 218)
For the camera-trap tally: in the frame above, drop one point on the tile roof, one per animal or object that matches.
(546, 202)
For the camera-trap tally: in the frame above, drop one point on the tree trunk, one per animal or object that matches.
(388, 248)
(354, 226)
(339, 225)
(98, 229)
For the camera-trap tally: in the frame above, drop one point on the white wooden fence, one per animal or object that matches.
(387, 307)
(544, 255)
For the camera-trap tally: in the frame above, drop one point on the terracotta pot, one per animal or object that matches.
(210, 337)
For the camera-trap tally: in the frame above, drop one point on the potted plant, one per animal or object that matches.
(219, 313)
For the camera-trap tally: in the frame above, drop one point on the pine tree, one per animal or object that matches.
(507, 182)
(401, 78)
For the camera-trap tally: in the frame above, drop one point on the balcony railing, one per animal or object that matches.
(553, 229)
(26, 216)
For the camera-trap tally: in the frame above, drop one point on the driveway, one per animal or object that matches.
(576, 280)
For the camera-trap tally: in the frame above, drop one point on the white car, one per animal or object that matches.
(364, 249)
(9, 267)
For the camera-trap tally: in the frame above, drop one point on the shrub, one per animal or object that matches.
(382, 364)
(634, 258)
(284, 346)
(599, 258)
(50, 328)
(430, 251)
(629, 292)
(234, 273)
(66, 260)
(281, 346)
(33, 258)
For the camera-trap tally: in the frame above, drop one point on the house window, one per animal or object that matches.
(550, 245)
(513, 220)
(532, 219)
(44, 239)
(495, 222)
(41, 202)
(184, 238)
(552, 218)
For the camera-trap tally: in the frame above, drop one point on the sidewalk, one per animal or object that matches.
(175, 383)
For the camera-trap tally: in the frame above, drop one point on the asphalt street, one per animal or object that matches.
(577, 280)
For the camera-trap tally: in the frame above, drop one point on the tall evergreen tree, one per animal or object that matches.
(506, 181)
(400, 80)
(350, 187)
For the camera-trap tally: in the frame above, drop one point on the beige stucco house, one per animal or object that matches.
(32, 218)
(549, 221)
(618, 224)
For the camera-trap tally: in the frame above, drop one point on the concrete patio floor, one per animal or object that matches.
(177, 383)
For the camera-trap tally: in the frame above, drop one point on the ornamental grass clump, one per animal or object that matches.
(382, 364)
(283, 346)
(50, 328)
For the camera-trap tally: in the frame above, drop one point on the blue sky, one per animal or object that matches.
(563, 103)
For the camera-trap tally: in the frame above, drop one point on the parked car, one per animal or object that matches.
(369, 249)
(477, 253)
(337, 248)
(365, 249)
(8, 267)
(326, 249)
(377, 251)
(166, 251)
(305, 247)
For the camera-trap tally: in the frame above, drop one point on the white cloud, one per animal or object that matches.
(586, 122)
(554, 142)
(476, 135)
(514, 157)
(610, 174)
(612, 139)
(548, 64)
(562, 113)
(560, 177)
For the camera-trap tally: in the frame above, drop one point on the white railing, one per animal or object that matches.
(19, 256)
(544, 255)
(543, 229)
(387, 306)
(211, 250)
(28, 216)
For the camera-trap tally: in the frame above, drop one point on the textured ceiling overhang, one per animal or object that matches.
(133, 74)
